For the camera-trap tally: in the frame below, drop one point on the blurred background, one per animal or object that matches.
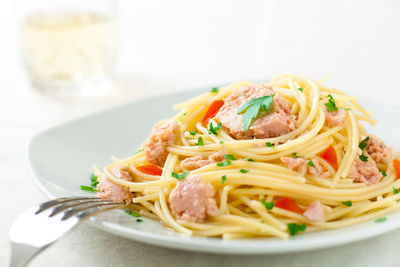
(136, 49)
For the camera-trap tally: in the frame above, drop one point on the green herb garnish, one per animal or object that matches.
(311, 163)
(300, 89)
(223, 179)
(267, 205)
(269, 144)
(229, 157)
(363, 143)
(294, 228)
(224, 163)
(347, 203)
(214, 130)
(244, 171)
(221, 142)
(132, 213)
(395, 191)
(214, 90)
(138, 151)
(253, 107)
(380, 219)
(193, 133)
(294, 154)
(180, 176)
(363, 158)
(93, 180)
(88, 188)
(383, 173)
(331, 104)
(200, 141)
(249, 159)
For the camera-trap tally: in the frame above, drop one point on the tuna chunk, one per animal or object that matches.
(315, 212)
(300, 165)
(109, 190)
(365, 172)
(196, 162)
(378, 150)
(161, 137)
(276, 122)
(335, 118)
(192, 200)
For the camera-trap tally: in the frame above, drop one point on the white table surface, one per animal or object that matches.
(178, 45)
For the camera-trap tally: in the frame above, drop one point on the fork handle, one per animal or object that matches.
(22, 254)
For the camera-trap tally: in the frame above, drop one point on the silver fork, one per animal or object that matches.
(39, 227)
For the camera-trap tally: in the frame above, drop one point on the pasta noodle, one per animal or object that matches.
(256, 176)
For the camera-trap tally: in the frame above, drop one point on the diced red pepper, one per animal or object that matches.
(330, 156)
(150, 169)
(287, 203)
(212, 110)
(396, 167)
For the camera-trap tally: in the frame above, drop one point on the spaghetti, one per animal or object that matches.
(315, 174)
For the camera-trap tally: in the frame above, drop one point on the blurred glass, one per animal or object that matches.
(69, 45)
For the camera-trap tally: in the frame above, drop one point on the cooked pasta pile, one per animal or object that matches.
(315, 176)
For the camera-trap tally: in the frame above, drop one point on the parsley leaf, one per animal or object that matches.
(294, 154)
(253, 107)
(223, 179)
(138, 151)
(200, 141)
(229, 157)
(380, 219)
(193, 133)
(294, 228)
(88, 188)
(132, 213)
(363, 143)
(310, 163)
(249, 159)
(347, 203)
(383, 173)
(221, 142)
(180, 176)
(363, 158)
(244, 171)
(269, 144)
(214, 90)
(224, 163)
(267, 205)
(93, 180)
(331, 104)
(300, 89)
(214, 130)
(395, 191)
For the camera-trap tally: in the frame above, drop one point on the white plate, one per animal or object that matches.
(60, 160)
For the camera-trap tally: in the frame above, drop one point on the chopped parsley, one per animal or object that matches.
(224, 163)
(267, 205)
(347, 203)
(244, 171)
(363, 143)
(395, 191)
(221, 142)
(214, 90)
(252, 108)
(223, 179)
(93, 180)
(310, 163)
(269, 144)
(383, 173)
(363, 158)
(379, 220)
(294, 228)
(88, 188)
(229, 157)
(300, 89)
(214, 130)
(180, 176)
(249, 159)
(138, 151)
(294, 154)
(200, 141)
(132, 213)
(193, 133)
(347, 109)
(331, 104)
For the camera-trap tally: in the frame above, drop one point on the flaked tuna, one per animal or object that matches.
(377, 149)
(315, 212)
(365, 172)
(277, 121)
(106, 189)
(301, 165)
(161, 137)
(192, 200)
(196, 162)
(335, 118)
